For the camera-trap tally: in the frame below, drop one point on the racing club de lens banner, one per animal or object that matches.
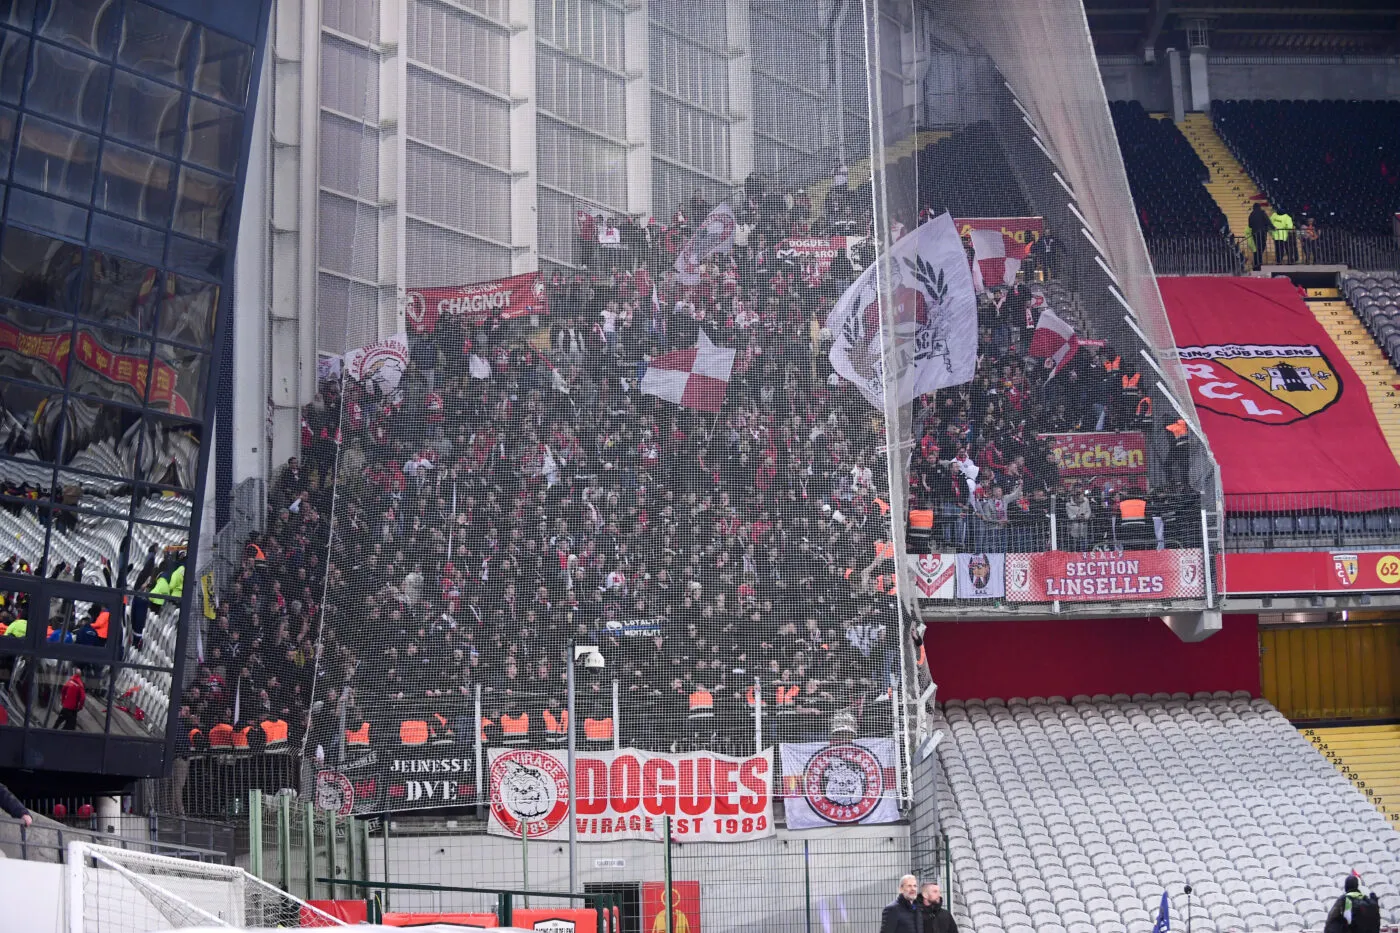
(624, 794)
(500, 299)
(1047, 576)
(839, 785)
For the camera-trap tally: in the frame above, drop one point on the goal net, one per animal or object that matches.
(114, 890)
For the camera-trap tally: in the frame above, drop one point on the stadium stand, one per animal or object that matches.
(1184, 227)
(1329, 159)
(1369, 757)
(1375, 297)
(1076, 815)
(484, 521)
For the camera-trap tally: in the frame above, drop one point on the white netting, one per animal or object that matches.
(606, 407)
(114, 890)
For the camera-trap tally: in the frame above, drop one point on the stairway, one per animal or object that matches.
(1361, 351)
(1230, 185)
(1370, 757)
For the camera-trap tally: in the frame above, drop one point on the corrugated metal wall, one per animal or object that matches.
(1332, 672)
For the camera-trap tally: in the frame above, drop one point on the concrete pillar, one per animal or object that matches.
(393, 168)
(524, 196)
(109, 815)
(291, 299)
(741, 104)
(636, 54)
(250, 307)
(1178, 86)
(1200, 82)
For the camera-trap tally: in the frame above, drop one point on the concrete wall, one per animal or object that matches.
(758, 885)
(32, 893)
(1264, 77)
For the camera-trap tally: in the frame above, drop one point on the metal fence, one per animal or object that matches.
(1196, 255)
(1312, 521)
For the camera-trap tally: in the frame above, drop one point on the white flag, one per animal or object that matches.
(934, 344)
(716, 235)
(479, 368)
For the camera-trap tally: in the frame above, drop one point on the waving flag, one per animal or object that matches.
(1054, 341)
(997, 260)
(696, 378)
(934, 344)
(1163, 923)
(716, 235)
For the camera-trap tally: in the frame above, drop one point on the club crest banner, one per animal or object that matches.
(981, 576)
(839, 785)
(623, 794)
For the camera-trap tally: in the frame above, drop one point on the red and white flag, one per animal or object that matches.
(716, 235)
(694, 378)
(996, 262)
(1054, 341)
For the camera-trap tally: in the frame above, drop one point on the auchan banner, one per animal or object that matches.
(623, 794)
(1110, 576)
(1271, 573)
(1019, 232)
(1098, 457)
(500, 299)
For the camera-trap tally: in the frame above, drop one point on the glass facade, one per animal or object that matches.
(123, 132)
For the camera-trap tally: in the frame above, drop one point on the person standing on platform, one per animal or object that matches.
(1261, 231)
(902, 914)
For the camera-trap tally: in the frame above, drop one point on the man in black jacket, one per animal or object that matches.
(934, 919)
(902, 914)
(11, 805)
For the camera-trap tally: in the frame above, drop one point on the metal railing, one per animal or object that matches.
(1312, 521)
(1196, 255)
(47, 841)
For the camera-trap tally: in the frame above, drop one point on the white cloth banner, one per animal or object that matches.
(385, 362)
(934, 344)
(981, 576)
(716, 235)
(839, 785)
(932, 575)
(623, 794)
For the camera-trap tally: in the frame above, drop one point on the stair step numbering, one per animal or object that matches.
(1376, 373)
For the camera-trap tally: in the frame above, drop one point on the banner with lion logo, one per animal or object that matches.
(933, 343)
(839, 785)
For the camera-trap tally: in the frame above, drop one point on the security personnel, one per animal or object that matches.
(1285, 246)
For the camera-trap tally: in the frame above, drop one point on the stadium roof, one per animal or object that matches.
(1330, 27)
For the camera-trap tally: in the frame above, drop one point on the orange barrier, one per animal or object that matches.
(418, 920)
(351, 912)
(585, 920)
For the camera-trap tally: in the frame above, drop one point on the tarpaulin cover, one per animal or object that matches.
(1289, 420)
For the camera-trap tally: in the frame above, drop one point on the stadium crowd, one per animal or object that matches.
(516, 490)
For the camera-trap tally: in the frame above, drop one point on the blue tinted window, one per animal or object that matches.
(82, 24)
(135, 185)
(145, 113)
(68, 86)
(55, 159)
(155, 42)
(223, 68)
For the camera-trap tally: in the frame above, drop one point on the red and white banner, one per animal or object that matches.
(1113, 576)
(500, 299)
(999, 244)
(839, 785)
(1093, 458)
(1283, 410)
(1054, 342)
(385, 362)
(934, 575)
(716, 235)
(1276, 572)
(814, 255)
(624, 794)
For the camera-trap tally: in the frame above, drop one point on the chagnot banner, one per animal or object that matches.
(500, 299)
(624, 794)
(839, 785)
(1105, 577)
(1283, 410)
(1094, 458)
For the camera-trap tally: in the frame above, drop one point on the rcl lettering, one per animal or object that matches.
(474, 304)
(1222, 391)
(690, 787)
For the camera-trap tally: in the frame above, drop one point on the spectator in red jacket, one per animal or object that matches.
(73, 699)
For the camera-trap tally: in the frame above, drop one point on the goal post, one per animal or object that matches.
(112, 890)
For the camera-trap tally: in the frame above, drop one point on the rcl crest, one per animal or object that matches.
(1346, 567)
(334, 792)
(1269, 383)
